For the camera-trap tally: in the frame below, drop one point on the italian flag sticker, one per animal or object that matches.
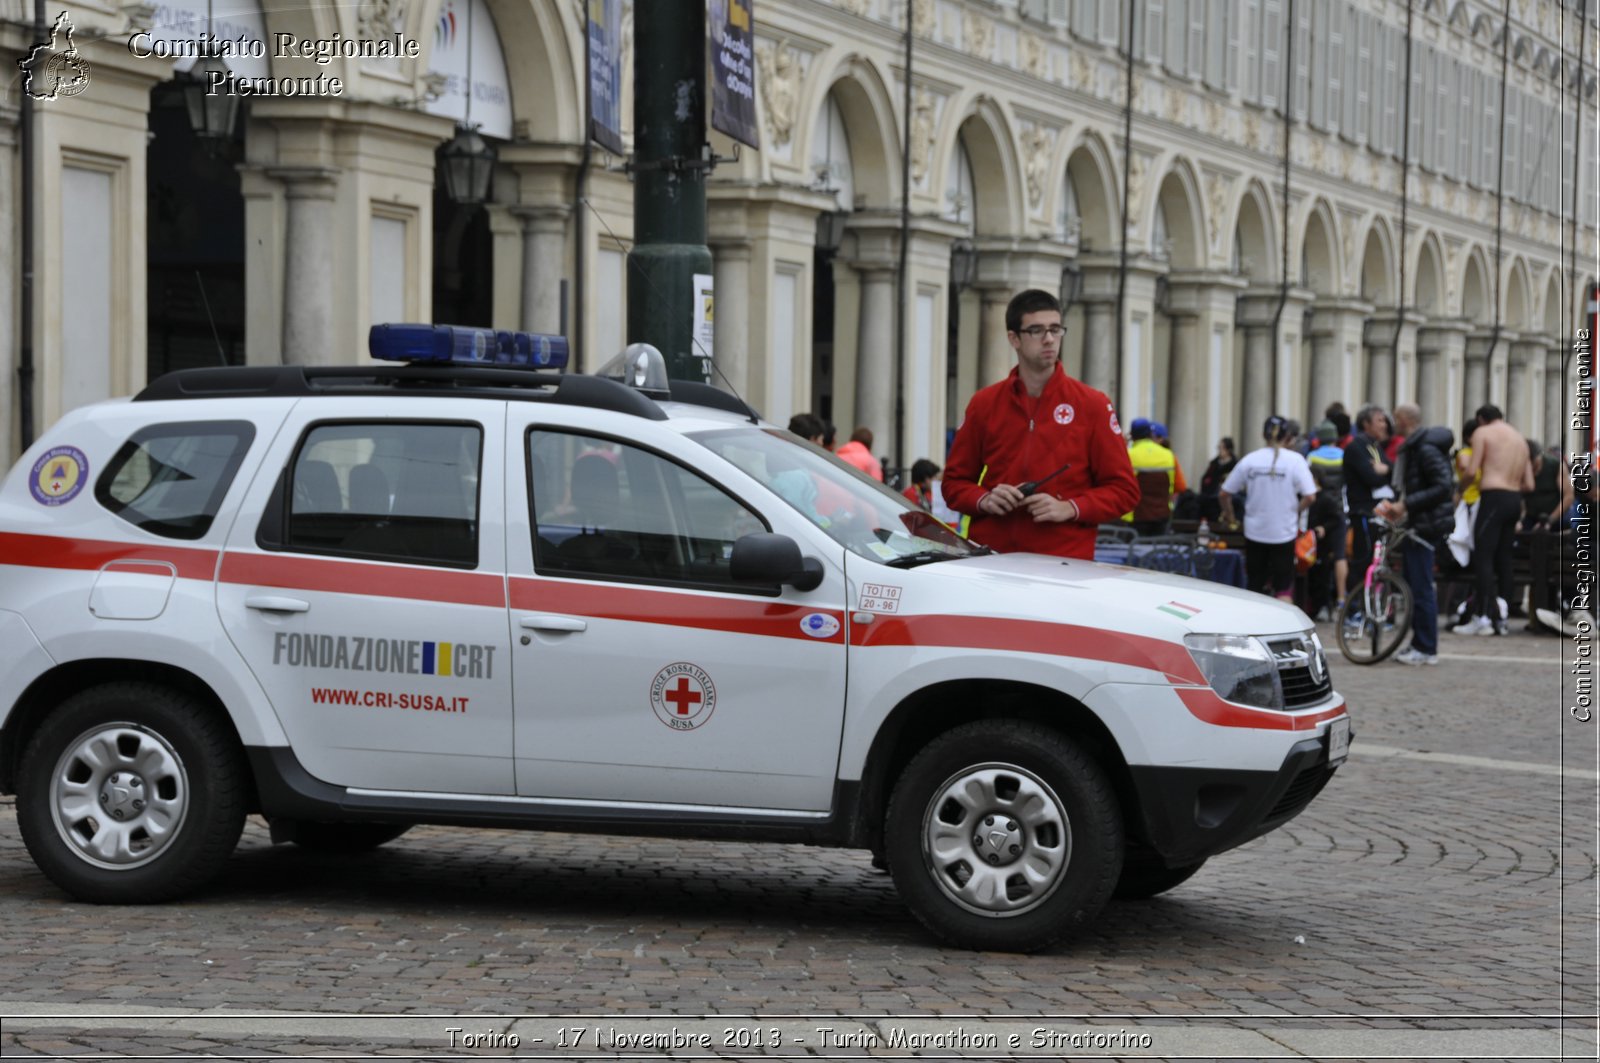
(1179, 610)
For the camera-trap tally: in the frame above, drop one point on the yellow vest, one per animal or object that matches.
(1469, 492)
(1149, 456)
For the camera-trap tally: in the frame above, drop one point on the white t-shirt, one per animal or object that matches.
(1274, 480)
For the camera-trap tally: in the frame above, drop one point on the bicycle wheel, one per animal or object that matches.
(1373, 623)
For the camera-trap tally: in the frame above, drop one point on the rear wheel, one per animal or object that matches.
(346, 837)
(1374, 621)
(1003, 835)
(130, 793)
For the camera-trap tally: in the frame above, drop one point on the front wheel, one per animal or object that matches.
(130, 793)
(1004, 835)
(1373, 622)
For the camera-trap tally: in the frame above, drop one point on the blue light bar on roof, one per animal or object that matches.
(463, 345)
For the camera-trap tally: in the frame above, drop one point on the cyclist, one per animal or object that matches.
(1427, 491)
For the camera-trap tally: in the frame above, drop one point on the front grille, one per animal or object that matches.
(1301, 687)
(1306, 785)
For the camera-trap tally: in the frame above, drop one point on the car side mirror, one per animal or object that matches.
(767, 557)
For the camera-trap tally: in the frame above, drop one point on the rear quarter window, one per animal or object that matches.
(170, 479)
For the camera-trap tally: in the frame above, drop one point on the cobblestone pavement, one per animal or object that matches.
(1436, 901)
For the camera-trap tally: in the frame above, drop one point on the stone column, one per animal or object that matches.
(1137, 394)
(1521, 393)
(1499, 363)
(1479, 346)
(1439, 347)
(995, 355)
(308, 265)
(544, 255)
(1254, 314)
(1201, 306)
(1383, 368)
(1336, 337)
(1290, 370)
(1098, 297)
(1555, 412)
(730, 273)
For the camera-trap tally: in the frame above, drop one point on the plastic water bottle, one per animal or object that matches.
(1202, 534)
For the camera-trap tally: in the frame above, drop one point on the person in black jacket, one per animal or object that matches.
(1366, 483)
(1427, 503)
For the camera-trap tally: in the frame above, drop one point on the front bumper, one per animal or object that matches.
(1189, 814)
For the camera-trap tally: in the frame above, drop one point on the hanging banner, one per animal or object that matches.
(733, 70)
(465, 40)
(605, 74)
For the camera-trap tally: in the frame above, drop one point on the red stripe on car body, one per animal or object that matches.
(1030, 636)
(54, 551)
(709, 612)
(364, 577)
(1204, 704)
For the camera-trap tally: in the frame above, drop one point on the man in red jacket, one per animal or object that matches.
(1039, 428)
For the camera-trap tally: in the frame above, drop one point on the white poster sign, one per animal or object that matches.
(231, 20)
(491, 87)
(703, 315)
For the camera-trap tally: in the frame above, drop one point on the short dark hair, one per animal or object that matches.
(1489, 413)
(806, 425)
(829, 434)
(923, 470)
(1365, 415)
(1031, 301)
(862, 435)
(1467, 430)
(1341, 422)
(1227, 441)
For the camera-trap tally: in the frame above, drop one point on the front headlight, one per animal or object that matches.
(1239, 668)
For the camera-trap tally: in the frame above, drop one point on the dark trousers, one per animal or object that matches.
(1492, 534)
(1269, 567)
(1360, 547)
(1417, 566)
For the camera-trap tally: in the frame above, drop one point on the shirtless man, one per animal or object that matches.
(1500, 452)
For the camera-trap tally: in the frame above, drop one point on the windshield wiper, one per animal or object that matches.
(924, 557)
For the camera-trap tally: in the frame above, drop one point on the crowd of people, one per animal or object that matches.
(1041, 461)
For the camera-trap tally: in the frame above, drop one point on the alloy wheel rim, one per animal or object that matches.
(997, 839)
(119, 796)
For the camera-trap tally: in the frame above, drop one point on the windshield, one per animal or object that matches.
(857, 512)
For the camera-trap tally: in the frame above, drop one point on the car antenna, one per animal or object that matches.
(222, 355)
(748, 409)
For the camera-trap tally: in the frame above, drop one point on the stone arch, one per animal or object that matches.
(1319, 267)
(1461, 16)
(309, 21)
(1180, 200)
(1477, 295)
(862, 93)
(1554, 327)
(1427, 284)
(1094, 181)
(1255, 239)
(1515, 308)
(997, 175)
(1377, 264)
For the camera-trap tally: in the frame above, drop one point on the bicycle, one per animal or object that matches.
(1373, 623)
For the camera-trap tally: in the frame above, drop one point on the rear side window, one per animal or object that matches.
(170, 479)
(391, 491)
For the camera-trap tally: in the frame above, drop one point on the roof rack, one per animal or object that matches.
(299, 381)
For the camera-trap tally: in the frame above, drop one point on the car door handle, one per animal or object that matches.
(554, 623)
(276, 603)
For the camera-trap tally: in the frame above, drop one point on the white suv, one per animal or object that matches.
(354, 599)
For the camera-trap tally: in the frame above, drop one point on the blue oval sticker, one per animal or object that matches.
(820, 625)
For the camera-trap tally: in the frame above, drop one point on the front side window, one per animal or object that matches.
(606, 508)
(856, 512)
(391, 491)
(170, 479)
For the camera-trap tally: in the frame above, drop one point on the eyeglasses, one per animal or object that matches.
(1034, 332)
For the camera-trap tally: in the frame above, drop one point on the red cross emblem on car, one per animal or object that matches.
(683, 696)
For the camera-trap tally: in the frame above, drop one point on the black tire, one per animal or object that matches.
(1045, 803)
(345, 837)
(95, 756)
(1146, 876)
(1367, 637)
